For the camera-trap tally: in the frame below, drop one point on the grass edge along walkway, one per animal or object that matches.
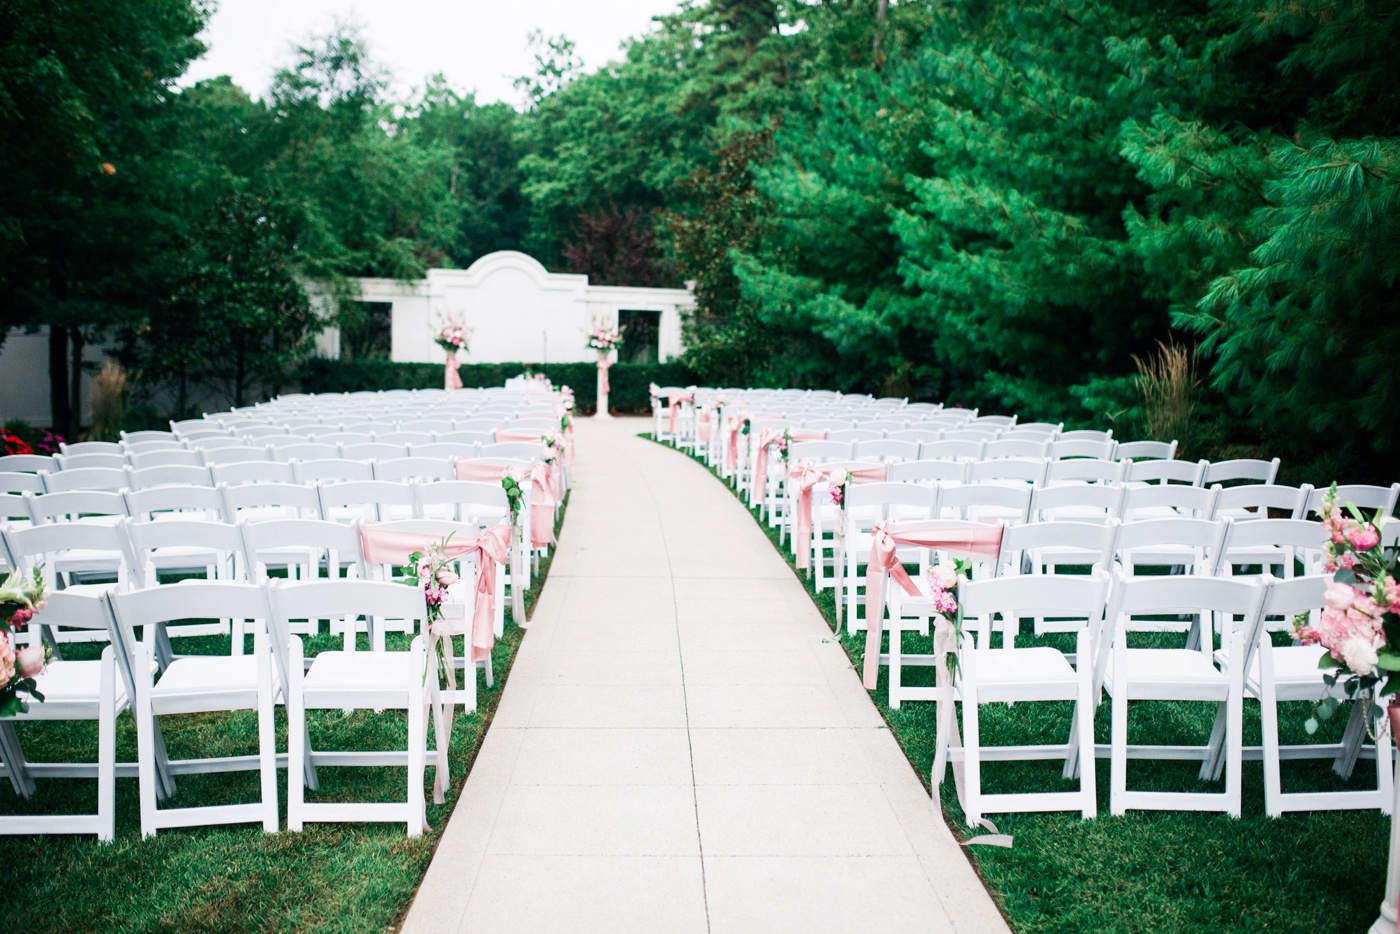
(1148, 872)
(327, 878)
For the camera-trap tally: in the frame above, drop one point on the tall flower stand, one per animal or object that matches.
(1386, 922)
(604, 363)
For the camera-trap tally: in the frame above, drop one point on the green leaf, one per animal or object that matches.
(1345, 576)
(1388, 660)
(1327, 661)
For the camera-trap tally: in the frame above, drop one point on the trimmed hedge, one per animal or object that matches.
(628, 393)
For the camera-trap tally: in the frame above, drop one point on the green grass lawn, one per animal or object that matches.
(329, 877)
(1154, 871)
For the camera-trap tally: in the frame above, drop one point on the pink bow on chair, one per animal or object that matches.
(382, 546)
(675, 403)
(541, 499)
(976, 539)
(731, 441)
(805, 477)
(766, 438)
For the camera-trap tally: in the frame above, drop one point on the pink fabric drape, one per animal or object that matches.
(603, 364)
(675, 404)
(451, 378)
(541, 497)
(731, 442)
(526, 435)
(703, 423)
(806, 476)
(491, 547)
(974, 539)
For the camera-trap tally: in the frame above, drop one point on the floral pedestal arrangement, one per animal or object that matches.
(452, 337)
(605, 340)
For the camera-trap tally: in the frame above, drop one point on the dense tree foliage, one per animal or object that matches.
(997, 204)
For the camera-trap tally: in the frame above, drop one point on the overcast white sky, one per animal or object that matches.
(479, 45)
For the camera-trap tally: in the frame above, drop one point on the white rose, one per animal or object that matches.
(945, 574)
(1359, 654)
(837, 477)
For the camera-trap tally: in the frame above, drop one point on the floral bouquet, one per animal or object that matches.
(943, 580)
(566, 398)
(19, 597)
(1360, 622)
(453, 337)
(604, 338)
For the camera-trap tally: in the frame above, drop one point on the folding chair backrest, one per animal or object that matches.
(170, 457)
(952, 450)
(1025, 469)
(929, 471)
(242, 473)
(233, 455)
(27, 463)
(259, 501)
(187, 502)
(346, 600)
(80, 461)
(1376, 500)
(1088, 543)
(172, 475)
(91, 447)
(367, 500)
(331, 470)
(373, 451)
(276, 538)
(854, 435)
(305, 451)
(1149, 450)
(85, 478)
(1249, 470)
(1201, 534)
(201, 534)
(1086, 470)
(35, 545)
(414, 468)
(819, 451)
(1085, 502)
(1014, 447)
(1099, 450)
(898, 501)
(1304, 538)
(1184, 500)
(514, 449)
(1069, 597)
(1166, 471)
(469, 438)
(533, 424)
(1255, 500)
(462, 501)
(21, 483)
(980, 502)
(915, 435)
(75, 505)
(887, 449)
(829, 424)
(1086, 434)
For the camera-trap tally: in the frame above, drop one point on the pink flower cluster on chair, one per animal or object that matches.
(20, 596)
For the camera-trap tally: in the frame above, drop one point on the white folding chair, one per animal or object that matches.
(1247, 469)
(929, 472)
(1175, 674)
(985, 502)
(367, 500)
(375, 680)
(144, 478)
(945, 449)
(198, 684)
(85, 478)
(301, 549)
(1015, 675)
(72, 690)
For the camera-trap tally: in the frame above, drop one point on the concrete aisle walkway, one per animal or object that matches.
(681, 748)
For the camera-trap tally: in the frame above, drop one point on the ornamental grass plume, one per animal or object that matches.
(1168, 385)
(108, 395)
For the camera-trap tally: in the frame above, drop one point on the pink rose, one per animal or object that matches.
(30, 661)
(1347, 561)
(1363, 537)
(22, 616)
(446, 577)
(1392, 594)
(944, 575)
(1339, 596)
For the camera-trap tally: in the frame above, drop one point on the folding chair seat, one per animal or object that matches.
(1293, 673)
(367, 500)
(375, 680)
(195, 684)
(83, 461)
(1261, 501)
(73, 690)
(1175, 674)
(27, 463)
(85, 478)
(331, 471)
(1145, 450)
(1247, 470)
(170, 457)
(1013, 674)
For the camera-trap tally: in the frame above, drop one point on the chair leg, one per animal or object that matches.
(1268, 715)
(1234, 731)
(972, 761)
(267, 737)
(298, 743)
(1118, 755)
(107, 750)
(417, 737)
(1084, 725)
(145, 745)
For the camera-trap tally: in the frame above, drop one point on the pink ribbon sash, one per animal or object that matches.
(451, 378)
(675, 403)
(603, 364)
(804, 477)
(491, 547)
(770, 436)
(541, 499)
(703, 423)
(975, 539)
(731, 442)
(526, 435)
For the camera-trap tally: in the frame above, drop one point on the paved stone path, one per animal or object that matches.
(680, 747)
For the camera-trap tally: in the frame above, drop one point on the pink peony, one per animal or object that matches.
(7, 659)
(30, 661)
(1363, 537)
(944, 575)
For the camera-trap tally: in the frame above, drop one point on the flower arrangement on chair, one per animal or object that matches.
(19, 597)
(943, 580)
(1360, 625)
